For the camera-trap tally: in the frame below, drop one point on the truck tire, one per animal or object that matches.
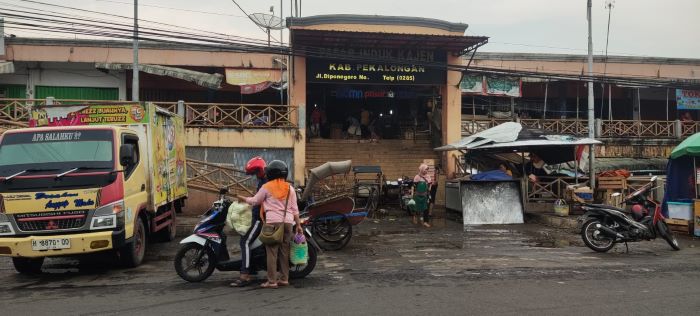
(132, 253)
(28, 265)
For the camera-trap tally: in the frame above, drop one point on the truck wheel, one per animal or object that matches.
(28, 265)
(132, 253)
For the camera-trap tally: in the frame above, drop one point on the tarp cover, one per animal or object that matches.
(212, 81)
(512, 136)
(323, 171)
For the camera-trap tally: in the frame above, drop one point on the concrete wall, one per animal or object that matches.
(32, 74)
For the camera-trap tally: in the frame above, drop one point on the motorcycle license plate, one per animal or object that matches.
(50, 244)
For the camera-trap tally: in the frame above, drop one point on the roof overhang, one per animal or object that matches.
(344, 39)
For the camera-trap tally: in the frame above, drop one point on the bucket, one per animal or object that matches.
(561, 208)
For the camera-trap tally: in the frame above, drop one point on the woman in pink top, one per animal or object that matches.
(421, 190)
(279, 207)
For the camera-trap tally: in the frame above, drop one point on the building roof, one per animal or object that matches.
(377, 20)
(345, 39)
(584, 58)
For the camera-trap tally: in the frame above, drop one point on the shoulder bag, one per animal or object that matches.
(269, 235)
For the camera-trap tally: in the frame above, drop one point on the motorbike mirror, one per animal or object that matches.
(616, 194)
(653, 178)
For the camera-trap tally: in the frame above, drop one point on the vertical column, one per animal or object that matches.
(297, 80)
(451, 112)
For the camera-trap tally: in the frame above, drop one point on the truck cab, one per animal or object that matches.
(79, 189)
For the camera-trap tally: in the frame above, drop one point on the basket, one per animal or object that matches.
(561, 208)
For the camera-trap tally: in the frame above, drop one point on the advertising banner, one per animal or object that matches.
(491, 85)
(88, 115)
(688, 99)
(472, 84)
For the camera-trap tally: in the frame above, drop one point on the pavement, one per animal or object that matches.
(390, 267)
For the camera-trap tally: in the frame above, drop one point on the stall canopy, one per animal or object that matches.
(681, 173)
(513, 137)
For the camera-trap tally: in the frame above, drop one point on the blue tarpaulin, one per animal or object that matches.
(493, 175)
(680, 181)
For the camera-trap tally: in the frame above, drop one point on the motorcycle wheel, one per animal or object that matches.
(332, 231)
(593, 239)
(300, 271)
(194, 262)
(667, 235)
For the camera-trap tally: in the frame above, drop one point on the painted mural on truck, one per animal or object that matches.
(170, 179)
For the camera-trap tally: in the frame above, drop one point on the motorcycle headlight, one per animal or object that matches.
(108, 216)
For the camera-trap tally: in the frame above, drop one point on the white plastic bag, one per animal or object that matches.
(239, 217)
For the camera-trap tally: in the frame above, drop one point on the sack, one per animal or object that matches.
(299, 253)
(269, 235)
(239, 217)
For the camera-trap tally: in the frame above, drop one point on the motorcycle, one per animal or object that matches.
(405, 189)
(605, 225)
(206, 250)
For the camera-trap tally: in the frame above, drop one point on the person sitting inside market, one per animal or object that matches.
(535, 168)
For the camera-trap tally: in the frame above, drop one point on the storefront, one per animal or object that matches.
(390, 75)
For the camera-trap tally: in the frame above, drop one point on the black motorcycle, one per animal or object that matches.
(605, 225)
(205, 250)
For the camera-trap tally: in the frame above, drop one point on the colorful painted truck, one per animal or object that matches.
(88, 178)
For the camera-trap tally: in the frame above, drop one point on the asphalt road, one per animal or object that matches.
(390, 268)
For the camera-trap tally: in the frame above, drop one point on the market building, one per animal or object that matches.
(396, 79)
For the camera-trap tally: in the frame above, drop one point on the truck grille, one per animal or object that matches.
(50, 220)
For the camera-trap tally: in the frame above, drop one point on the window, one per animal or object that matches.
(132, 140)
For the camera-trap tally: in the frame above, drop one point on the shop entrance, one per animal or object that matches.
(338, 111)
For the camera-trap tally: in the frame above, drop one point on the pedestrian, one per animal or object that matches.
(279, 206)
(316, 121)
(535, 168)
(421, 191)
(255, 166)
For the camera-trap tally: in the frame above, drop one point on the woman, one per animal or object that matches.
(421, 189)
(279, 207)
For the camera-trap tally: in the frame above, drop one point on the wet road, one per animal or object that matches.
(390, 267)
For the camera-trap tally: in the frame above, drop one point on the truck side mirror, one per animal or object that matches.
(126, 154)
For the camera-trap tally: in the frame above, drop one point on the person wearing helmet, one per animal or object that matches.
(255, 166)
(279, 203)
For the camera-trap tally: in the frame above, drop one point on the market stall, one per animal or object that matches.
(681, 201)
(499, 200)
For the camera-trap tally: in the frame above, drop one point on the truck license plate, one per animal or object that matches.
(47, 244)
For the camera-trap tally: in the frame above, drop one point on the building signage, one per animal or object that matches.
(406, 67)
(487, 85)
(688, 99)
(358, 94)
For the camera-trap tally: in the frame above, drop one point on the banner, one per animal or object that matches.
(255, 88)
(495, 86)
(472, 84)
(243, 77)
(688, 99)
(88, 115)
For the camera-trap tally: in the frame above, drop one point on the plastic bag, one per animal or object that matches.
(239, 217)
(299, 252)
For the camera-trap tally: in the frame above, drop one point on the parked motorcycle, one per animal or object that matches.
(405, 189)
(206, 250)
(606, 225)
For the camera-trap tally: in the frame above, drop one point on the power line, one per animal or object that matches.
(174, 9)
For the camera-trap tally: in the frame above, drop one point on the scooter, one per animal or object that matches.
(206, 250)
(606, 225)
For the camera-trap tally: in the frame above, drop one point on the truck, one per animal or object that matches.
(90, 178)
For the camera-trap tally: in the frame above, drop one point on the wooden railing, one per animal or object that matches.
(550, 189)
(604, 128)
(196, 114)
(211, 177)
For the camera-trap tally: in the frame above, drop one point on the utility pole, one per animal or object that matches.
(591, 113)
(135, 77)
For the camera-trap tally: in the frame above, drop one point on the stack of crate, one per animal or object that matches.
(607, 186)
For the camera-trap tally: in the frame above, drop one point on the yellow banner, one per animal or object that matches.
(50, 201)
(241, 77)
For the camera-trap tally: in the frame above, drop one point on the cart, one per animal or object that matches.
(332, 212)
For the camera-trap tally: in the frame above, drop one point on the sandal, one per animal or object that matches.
(427, 225)
(241, 283)
(282, 283)
(268, 285)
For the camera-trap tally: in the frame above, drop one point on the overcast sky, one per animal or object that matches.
(638, 27)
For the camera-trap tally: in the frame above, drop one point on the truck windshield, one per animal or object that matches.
(56, 150)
